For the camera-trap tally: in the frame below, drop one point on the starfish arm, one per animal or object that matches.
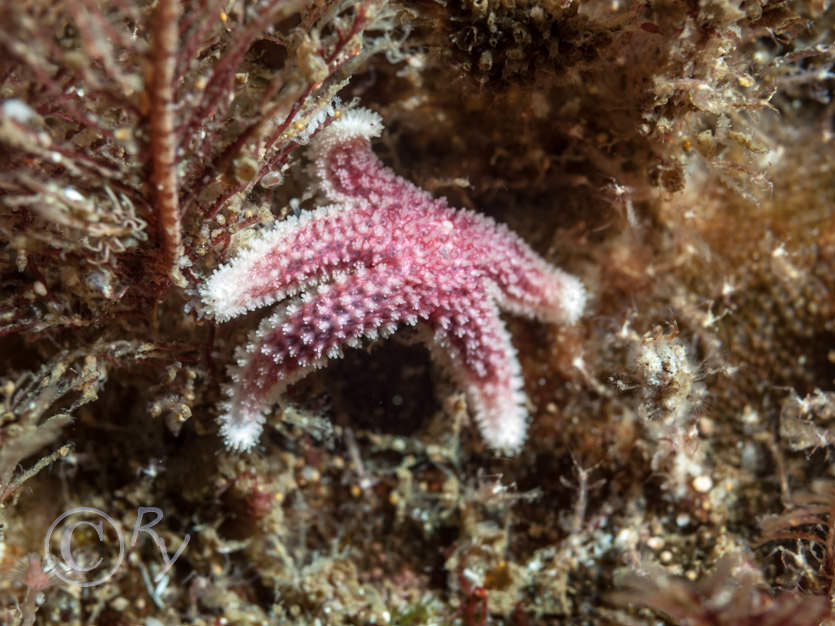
(469, 331)
(348, 171)
(306, 333)
(526, 284)
(296, 254)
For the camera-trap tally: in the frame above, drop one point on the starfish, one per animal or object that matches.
(382, 254)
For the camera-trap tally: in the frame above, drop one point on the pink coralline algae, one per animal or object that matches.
(383, 254)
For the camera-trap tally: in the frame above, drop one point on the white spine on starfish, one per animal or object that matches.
(572, 295)
(351, 124)
(565, 293)
(225, 291)
(240, 430)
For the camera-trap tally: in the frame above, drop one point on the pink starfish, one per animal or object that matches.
(383, 254)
